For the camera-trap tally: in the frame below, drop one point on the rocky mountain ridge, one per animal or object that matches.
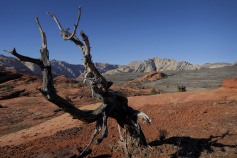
(58, 67)
(73, 70)
(157, 64)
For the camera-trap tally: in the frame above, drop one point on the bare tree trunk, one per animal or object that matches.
(114, 103)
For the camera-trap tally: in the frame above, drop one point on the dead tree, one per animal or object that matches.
(114, 103)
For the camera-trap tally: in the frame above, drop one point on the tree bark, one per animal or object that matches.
(114, 103)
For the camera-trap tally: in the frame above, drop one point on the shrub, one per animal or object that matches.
(24, 93)
(159, 91)
(8, 88)
(80, 85)
(153, 91)
(181, 88)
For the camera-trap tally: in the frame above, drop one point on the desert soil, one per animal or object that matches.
(201, 123)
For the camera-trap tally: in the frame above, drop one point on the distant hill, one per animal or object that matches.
(215, 65)
(58, 67)
(156, 64)
(73, 70)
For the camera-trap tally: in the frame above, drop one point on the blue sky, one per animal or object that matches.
(121, 31)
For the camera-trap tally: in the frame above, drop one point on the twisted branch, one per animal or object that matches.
(23, 58)
(114, 103)
(98, 83)
(48, 89)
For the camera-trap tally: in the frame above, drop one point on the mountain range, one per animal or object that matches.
(58, 67)
(75, 70)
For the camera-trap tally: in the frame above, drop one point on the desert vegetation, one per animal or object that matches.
(153, 91)
(181, 88)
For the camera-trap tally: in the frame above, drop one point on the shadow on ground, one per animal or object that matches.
(193, 147)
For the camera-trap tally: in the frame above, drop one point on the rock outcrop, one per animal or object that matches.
(150, 76)
(155, 64)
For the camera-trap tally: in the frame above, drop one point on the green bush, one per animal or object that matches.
(8, 88)
(181, 88)
(153, 91)
(24, 93)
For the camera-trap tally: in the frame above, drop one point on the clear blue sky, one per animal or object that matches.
(121, 31)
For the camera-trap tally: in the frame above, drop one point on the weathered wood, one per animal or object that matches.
(48, 89)
(98, 83)
(114, 103)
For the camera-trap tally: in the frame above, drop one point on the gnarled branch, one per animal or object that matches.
(98, 83)
(48, 89)
(64, 33)
(114, 103)
(23, 58)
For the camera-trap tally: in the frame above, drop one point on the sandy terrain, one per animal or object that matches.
(199, 123)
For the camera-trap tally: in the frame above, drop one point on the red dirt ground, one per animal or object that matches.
(198, 124)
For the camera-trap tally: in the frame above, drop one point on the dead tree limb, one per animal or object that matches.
(48, 89)
(114, 103)
(98, 83)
